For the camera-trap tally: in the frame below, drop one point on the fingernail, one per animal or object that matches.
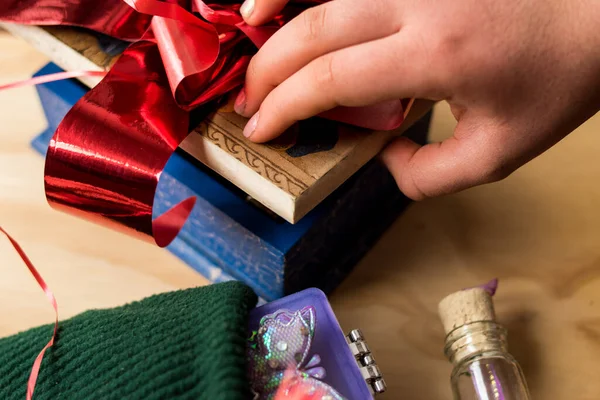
(247, 8)
(251, 126)
(240, 102)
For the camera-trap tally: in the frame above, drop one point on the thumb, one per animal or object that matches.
(477, 154)
(258, 12)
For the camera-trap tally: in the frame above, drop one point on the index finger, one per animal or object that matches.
(346, 77)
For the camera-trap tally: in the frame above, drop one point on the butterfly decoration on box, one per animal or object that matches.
(280, 350)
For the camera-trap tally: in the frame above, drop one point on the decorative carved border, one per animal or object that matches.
(251, 158)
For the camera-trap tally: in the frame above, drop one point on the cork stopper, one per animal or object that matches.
(465, 307)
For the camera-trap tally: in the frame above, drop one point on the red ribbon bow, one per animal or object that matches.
(108, 153)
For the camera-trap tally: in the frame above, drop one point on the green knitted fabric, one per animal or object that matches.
(187, 344)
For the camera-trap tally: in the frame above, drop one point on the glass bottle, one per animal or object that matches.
(476, 345)
(483, 368)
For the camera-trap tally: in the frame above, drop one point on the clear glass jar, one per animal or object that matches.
(483, 368)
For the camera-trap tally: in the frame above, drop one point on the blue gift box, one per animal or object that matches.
(229, 237)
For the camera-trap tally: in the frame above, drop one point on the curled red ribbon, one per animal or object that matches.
(38, 360)
(109, 151)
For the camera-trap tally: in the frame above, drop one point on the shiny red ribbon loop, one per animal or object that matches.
(109, 151)
(38, 360)
(111, 17)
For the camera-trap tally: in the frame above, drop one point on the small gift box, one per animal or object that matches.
(229, 236)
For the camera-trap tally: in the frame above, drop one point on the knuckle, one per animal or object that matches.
(314, 22)
(449, 38)
(258, 75)
(426, 66)
(324, 71)
(449, 51)
(253, 70)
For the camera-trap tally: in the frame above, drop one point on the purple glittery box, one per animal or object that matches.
(299, 334)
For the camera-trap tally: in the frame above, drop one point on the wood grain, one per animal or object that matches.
(538, 231)
(290, 183)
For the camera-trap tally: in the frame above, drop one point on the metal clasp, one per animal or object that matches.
(366, 363)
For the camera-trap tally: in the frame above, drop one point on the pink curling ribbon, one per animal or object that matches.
(38, 360)
(38, 80)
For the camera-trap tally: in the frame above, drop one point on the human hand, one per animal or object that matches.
(518, 75)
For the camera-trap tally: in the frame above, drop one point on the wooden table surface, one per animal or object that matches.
(538, 231)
